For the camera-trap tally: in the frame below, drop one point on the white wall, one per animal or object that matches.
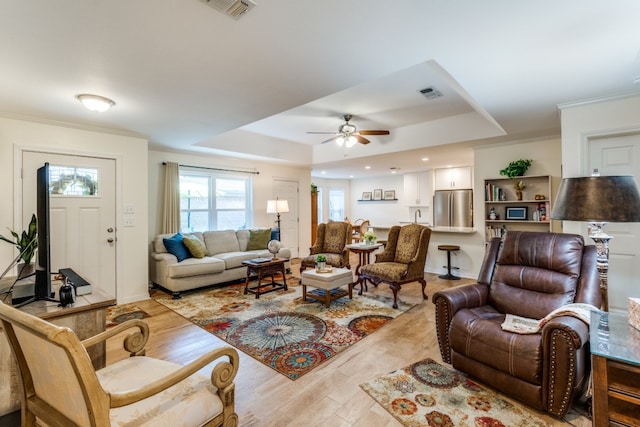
(130, 153)
(580, 122)
(383, 213)
(262, 189)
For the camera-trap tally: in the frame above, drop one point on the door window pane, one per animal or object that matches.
(73, 181)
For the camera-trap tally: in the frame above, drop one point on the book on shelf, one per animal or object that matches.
(493, 232)
(493, 193)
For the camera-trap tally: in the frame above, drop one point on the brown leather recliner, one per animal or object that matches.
(530, 274)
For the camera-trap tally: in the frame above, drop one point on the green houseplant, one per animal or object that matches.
(26, 242)
(516, 168)
(321, 262)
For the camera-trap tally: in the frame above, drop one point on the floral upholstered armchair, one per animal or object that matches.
(331, 240)
(401, 262)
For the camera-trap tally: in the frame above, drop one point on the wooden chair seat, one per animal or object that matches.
(61, 388)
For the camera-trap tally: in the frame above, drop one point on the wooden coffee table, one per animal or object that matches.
(262, 269)
(329, 281)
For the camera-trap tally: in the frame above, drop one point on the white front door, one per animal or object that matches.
(620, 155)
(288, 190)
(82, 227)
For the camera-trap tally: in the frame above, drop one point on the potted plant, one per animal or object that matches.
(26, 242)
(369, 237)
(321, 262)
(516, 168)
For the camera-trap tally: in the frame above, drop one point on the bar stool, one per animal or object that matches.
(449, 249)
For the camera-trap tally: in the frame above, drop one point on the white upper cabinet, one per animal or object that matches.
(418, 190)
(453, 178)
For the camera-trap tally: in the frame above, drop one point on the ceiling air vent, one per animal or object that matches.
(431, 92)
(232, 8)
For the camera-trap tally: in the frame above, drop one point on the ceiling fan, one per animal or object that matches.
(348, 134)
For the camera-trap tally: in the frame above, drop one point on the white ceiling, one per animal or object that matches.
(190, 78)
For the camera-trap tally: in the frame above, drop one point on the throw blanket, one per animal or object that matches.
(524, 325)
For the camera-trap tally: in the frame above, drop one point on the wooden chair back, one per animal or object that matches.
(59, 381)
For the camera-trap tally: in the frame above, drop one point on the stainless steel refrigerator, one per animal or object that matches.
(453, 208)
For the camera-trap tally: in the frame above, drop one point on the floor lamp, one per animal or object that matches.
(598, 200)
(277, 207)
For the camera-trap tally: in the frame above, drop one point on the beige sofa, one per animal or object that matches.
(223, 263)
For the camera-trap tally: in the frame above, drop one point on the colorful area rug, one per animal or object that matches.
(121, 313)
(429, 394)
(279, 329)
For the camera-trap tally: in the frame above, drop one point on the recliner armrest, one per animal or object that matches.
(448, 302)
(576, 330)
(565, 342)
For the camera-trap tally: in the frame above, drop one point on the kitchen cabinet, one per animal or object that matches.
(418, 190)
(504, 211)
(453, 178)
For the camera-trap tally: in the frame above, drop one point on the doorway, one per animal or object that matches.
(82, 222)
(619, 155)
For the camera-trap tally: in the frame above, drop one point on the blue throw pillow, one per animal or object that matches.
(176, 247)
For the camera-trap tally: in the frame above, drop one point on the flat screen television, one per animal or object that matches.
(43, 264)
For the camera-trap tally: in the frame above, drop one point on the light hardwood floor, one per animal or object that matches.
(329, 395)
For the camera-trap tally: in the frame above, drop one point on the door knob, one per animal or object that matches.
(109, 230)
(110, 240)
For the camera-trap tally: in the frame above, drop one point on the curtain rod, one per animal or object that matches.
(216, 169)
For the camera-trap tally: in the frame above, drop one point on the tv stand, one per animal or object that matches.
(34, 299)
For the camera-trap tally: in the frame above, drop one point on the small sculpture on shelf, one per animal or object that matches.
(519, 186)
(492, 214)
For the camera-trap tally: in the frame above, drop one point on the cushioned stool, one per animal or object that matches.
(449, 249)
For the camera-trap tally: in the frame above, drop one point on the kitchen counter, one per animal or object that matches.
(463, 230)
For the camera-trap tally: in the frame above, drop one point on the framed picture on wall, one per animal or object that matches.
(377, 194)
(366, 195)
(389, 194)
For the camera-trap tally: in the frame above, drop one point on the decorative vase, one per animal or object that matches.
(519, 194)
(26, 270)
(321, 266)
(369, 241)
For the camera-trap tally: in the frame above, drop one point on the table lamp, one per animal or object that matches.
(277, 207)
(598, 200)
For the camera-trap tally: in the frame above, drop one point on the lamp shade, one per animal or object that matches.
(598, 199)
(277, 206)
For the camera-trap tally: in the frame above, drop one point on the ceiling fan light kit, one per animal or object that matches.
(348, 134)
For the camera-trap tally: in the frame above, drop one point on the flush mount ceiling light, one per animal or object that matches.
(96, 103)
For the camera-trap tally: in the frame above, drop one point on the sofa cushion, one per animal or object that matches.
(221, 241)
(243, 239)
(258, 239)
(195, 246)
(176, 247)
(196, 266)
(234, 259)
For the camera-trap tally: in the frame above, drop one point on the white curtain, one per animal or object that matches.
(171, 199)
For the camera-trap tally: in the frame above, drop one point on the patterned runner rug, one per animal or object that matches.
(429, 394)
(279, 329)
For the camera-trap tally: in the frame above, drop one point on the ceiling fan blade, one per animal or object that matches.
(322, 133)
(329, 140)
(374, 132)
(361, 139)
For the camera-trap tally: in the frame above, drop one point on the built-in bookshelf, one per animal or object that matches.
(504, 211)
